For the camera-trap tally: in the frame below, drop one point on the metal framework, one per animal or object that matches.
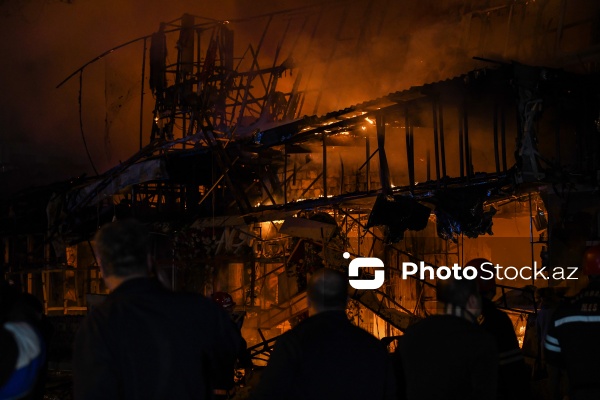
(229, 151)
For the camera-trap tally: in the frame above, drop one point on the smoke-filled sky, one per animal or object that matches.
(368, 48)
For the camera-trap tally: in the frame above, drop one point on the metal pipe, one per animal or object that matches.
(252, 283)
(503, 137)
(142, 91)
(368, 158)
(428, 157)
(341, 175)
(557, 135)
(269, 195)
(368, 164)
(435, 142)
(409, 158)
(358, 232)
(496, 152)
(217, 182)
(531, 236)
(384, 171)
(183, 126)
(311, 184)
(442, 145)
(272, 77)
(468, 161)
(294, 174)
(412, 157)
(461, 154)
(324, 135)
(285, 181)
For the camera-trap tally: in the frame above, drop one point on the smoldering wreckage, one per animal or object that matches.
(246, 194)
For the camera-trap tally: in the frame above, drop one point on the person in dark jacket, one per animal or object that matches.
(244, 360)
(448, 356)
(572, 342)
(325, 356)
(144, 341)
(513, 375)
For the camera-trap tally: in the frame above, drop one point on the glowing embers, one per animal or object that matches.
(398, 214)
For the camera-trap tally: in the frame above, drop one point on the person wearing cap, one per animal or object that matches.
(449, 356)
(325, 356)
(513, 379)
(224, 300)
(145, 342)
(573, 338)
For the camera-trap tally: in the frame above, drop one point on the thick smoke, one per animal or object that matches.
(359, 50)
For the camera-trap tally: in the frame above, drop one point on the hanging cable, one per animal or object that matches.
(81, 122)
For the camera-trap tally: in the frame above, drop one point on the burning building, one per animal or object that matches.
(251, 177)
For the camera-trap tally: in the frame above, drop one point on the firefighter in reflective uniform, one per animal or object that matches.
(513, 377)
(244, 361)
(573, 338)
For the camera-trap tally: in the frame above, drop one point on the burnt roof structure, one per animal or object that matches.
(478, 135)
(237, 184)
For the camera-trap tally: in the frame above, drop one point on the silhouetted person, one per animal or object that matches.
(548, 301)
(243, 360)
(513, 375)
(325, 356)
(573, 338)
(144, 341)
(22, 345)
(449, 356)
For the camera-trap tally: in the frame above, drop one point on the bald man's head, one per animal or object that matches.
(328, 290)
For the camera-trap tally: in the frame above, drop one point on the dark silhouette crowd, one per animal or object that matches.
(148, 342)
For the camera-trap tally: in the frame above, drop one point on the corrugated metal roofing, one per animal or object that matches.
(300, 130)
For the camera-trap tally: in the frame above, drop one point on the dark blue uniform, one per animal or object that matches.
(513, 379)
(573, 342)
